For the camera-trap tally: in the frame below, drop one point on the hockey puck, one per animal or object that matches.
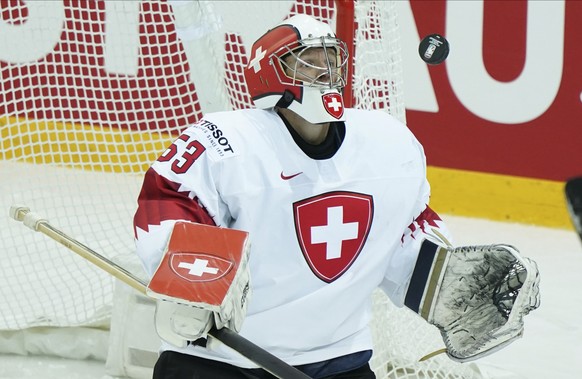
(433, 49)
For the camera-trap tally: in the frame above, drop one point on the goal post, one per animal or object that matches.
(93, 92)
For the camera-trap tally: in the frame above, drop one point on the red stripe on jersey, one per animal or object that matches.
(160, 200)
(427, 217)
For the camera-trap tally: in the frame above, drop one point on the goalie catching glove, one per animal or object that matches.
(476, 296)
(201, 282)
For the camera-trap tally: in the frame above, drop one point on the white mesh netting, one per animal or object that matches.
(91, 94)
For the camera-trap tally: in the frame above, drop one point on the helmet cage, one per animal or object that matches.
(332, 76)
(286, 71)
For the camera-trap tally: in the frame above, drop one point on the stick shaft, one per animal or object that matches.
(573, 192)
(246, 348)
(42, 226)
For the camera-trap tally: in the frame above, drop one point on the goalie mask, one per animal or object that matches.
(302, 66)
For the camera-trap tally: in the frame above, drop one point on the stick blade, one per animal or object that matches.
(573, 190)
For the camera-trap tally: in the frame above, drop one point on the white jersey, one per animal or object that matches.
(324, 233)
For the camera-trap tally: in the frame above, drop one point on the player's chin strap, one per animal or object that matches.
(476, 296)
(285, 100)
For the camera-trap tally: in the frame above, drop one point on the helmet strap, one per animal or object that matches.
(285, 100)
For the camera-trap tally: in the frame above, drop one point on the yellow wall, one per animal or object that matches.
(499, 197)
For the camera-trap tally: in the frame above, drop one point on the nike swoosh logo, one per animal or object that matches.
(287, 177)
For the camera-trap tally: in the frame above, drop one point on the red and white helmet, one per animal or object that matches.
(273, 81)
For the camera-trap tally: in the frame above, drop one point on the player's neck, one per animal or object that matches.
(314, 134)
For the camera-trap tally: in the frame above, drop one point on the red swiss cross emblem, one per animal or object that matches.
(332, 229)
(333, 104)
(199, 267)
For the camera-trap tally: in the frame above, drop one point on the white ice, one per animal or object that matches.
(550, 348)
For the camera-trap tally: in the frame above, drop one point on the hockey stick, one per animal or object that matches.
(261, 357)
(573, 191)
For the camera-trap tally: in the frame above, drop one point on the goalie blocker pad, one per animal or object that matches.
(199, 266)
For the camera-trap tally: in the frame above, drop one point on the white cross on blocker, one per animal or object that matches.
(334, 233)
(199, 267)
(336, 105)
(255, 63)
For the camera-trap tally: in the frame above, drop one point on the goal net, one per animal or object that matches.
(92, 92)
